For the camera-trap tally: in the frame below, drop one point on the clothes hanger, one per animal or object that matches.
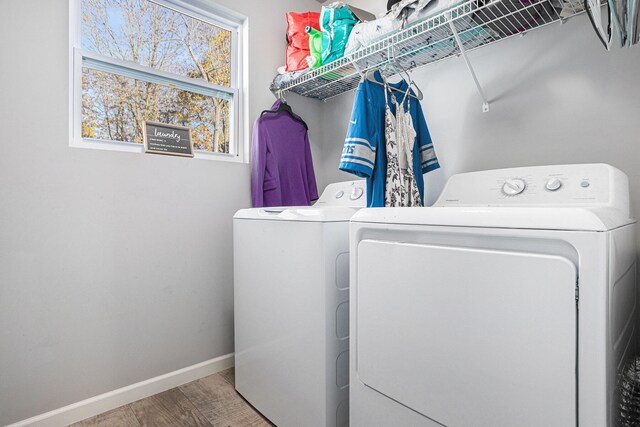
(408, 78)
(396, 66)
(370, 75)
(284, 106)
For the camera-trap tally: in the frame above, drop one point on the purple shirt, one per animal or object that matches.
(281, 165)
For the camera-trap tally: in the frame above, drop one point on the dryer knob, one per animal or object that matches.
(339, 194)
(553, 184)
(513, 186)
(356, 193)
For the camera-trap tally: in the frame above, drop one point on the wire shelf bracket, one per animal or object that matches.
(463, 52)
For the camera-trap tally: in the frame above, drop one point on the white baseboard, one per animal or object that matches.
(122, 396)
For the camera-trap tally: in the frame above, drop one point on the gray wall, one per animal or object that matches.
(98, 291)
(556, 97)
(114, 267)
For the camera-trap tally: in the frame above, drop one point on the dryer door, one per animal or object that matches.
(468, 337)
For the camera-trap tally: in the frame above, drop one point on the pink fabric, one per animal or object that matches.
(298, 47)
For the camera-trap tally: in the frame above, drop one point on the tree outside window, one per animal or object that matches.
(116, 104)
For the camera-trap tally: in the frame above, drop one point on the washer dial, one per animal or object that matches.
(356, 193)
(553, 184)
(513, 186)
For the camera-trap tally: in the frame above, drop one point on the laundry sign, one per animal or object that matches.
(162, 138)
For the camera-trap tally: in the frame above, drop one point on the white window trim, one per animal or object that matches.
(213, 14)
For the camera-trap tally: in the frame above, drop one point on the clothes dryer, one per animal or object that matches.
(291, 300)
(510, 303)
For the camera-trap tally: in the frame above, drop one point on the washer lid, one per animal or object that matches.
(302, 213)
(552, 218)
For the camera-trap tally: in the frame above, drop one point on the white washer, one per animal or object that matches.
(291, 299)
(510, 303)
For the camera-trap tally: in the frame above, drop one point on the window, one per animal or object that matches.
(155, 60)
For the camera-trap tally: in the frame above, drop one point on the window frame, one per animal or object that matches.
(214, 15)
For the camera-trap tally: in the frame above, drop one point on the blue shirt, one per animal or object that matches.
(365, 153)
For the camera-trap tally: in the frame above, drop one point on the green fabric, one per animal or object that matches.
(336, 22)
(315, 47)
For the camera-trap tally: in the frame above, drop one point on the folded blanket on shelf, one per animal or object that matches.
(404, 13)
(365, 33)
(430, 9)
(405, 7)
(282, 79)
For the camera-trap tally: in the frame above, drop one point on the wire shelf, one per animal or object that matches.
(477, 22)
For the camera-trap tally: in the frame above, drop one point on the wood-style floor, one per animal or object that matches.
(210, 401)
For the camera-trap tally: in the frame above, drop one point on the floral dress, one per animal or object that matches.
(401, 189)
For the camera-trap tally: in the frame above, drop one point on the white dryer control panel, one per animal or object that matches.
(563, 185)
(349, 193)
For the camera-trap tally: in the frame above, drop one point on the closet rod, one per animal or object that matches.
(463, 52)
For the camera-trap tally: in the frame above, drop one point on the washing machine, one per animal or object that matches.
(291, 301)
(510, 303)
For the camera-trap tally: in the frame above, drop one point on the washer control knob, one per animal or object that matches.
(356, 193)
(584, 184)
(339, 194)
(553, 184)
(513, 186)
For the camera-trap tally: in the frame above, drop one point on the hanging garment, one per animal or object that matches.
(407, 137)
(594, 12)
(622, 20)
(393, 185)
(281, 164)
(401, 189)
(619, 10)
(298, 39)
(634, 26)
(365, 153)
